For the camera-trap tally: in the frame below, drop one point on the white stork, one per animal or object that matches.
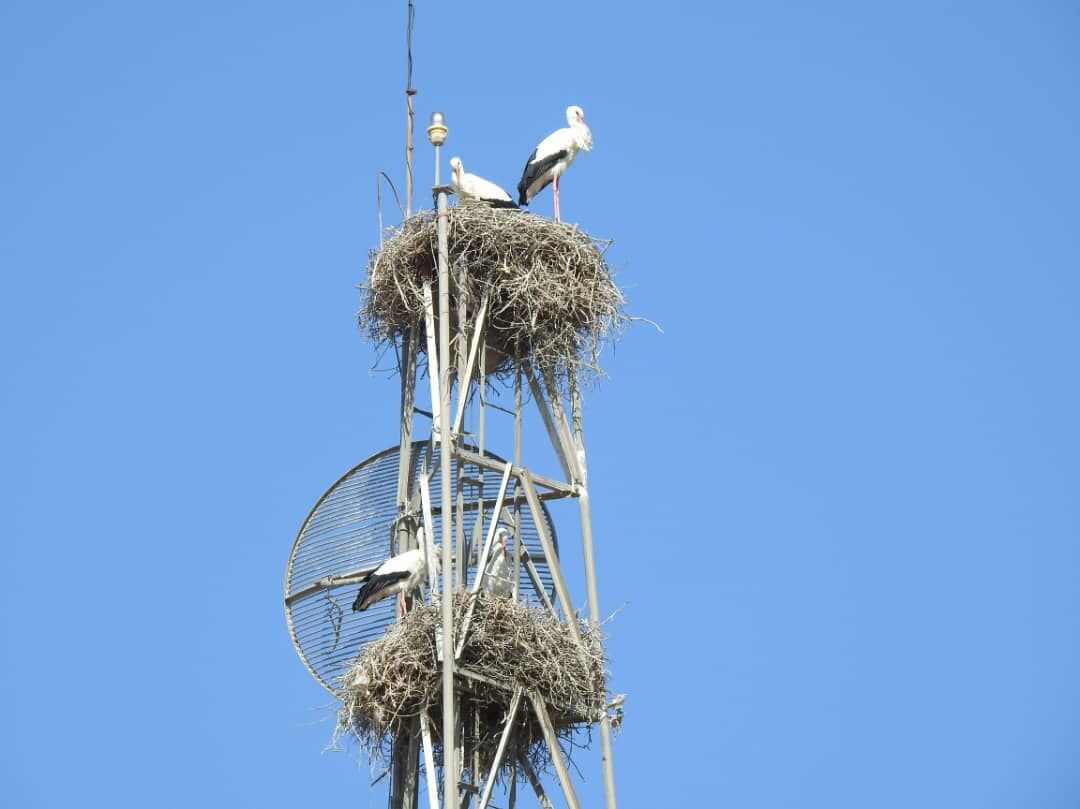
(497, 576)
(553, 157)
(469, 186)
(398, 575)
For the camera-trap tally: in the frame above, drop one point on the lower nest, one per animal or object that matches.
(551, 296)
(397, 678)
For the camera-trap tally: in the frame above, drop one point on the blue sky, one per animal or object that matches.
(858, 433)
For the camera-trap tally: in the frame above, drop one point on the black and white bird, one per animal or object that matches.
(553, 157)
(498, 580)
(470, 187)
(398, 575)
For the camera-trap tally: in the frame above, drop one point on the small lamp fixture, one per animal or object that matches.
(437, 130)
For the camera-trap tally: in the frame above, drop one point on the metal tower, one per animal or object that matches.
(444, 484)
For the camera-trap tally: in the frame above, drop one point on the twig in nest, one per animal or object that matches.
(552, 298)
(398, 677)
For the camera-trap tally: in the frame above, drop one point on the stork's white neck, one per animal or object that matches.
(582, 135)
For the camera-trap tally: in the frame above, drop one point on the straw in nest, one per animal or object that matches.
(398, 677)
(551, 296)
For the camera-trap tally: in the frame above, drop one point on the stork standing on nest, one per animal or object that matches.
(553, 157)
(497, 581)
(399, 575)
(470, 187)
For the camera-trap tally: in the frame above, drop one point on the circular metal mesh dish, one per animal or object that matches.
(349, 530)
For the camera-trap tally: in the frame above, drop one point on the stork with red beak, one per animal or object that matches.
(399, 575)
(470, 187)
(498, 580)
(553, 157)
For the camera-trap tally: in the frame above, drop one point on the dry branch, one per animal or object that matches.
(553, 300)
(509, 645)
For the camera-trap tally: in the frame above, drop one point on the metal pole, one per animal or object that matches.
(465, 373)
(500, 751)
(586, 512)
(409, 93)
(550, 556)
(429, 759)
(437, 134)
(590, 582)
(540, 710)
(517, 494)
(559, 417)
(460, 342)
(481, 419)
(408, 152)
(534, 780)
(403, 780)
(405, 758)
(407, 368)
(432, 355)
(559, 439)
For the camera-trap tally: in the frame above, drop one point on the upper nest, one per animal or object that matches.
(398, 677)
(552, 298)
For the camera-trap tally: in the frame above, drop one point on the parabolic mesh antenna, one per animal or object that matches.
(349, 532)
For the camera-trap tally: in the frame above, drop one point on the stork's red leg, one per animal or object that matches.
(555, 195)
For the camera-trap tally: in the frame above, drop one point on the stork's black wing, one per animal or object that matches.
(535, 169)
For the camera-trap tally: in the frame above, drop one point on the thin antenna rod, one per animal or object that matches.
(409, 93)
(437, 135)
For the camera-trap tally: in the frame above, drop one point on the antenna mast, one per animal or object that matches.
(493, 728)
(409, 93)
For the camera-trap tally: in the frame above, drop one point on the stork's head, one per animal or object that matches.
(455, 167)
(575, 116)
(502, 537)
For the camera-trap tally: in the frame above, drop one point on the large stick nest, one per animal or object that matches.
(398, 677)
(552, 298)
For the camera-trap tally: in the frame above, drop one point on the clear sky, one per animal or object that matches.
(835, 502)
